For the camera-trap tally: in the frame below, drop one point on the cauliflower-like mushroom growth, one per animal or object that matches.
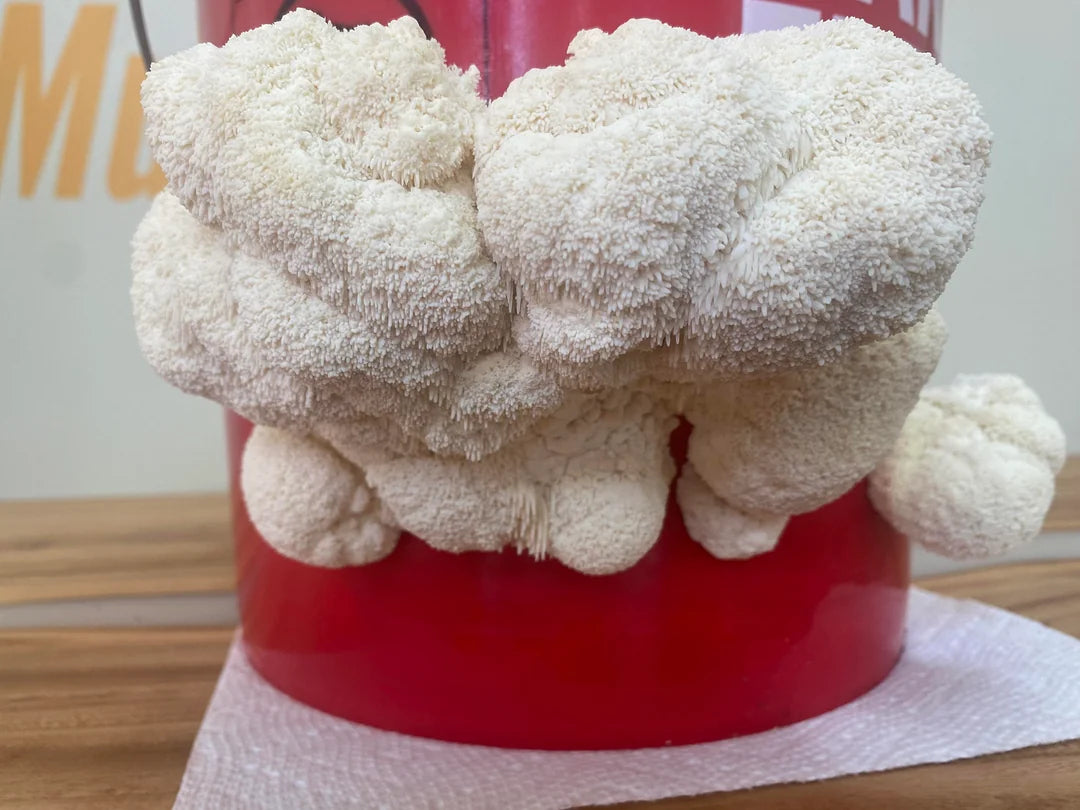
(479, 324)
(332, 171)
(310, 504)
(765, 202)
(727, 532)
(588, 487)
(972, 474)
(792, 442)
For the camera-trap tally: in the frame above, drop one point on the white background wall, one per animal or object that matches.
(1014, 302)
(82, 415)
(80, 411)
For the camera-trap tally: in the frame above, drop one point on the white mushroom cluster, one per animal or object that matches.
(972, 474)
(480, 323)
(757, 203)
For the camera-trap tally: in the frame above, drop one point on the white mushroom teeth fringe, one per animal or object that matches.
(479, 323)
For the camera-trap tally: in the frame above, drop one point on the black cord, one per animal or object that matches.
(140, 32)
(284, 9)
(412, 8)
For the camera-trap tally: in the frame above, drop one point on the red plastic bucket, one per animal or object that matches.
(499, 649)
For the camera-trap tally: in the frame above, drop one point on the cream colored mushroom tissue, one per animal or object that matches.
(972, 474)
(479, 322)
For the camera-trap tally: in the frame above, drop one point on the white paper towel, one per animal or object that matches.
(973, 680)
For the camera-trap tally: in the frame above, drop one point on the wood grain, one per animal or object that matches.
(101, 718)
(106, 718)
(76, 549)
(1048, 592)
(1064, 513)
(1041, 778)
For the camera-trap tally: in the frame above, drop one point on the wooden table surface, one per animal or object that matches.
(104, 717)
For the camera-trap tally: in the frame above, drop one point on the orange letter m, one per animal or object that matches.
(79, 73)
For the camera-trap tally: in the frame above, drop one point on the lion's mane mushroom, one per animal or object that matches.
(789, 443)
(765, 202)
(340, 161)
(478, 324)
(972, 474)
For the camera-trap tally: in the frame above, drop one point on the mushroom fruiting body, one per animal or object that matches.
(792, 442)
(760, 203)
(972, 474)
(478, 323)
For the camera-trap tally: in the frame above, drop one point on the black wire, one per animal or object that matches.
(412, 8)
(284, 9)
(140, 32)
